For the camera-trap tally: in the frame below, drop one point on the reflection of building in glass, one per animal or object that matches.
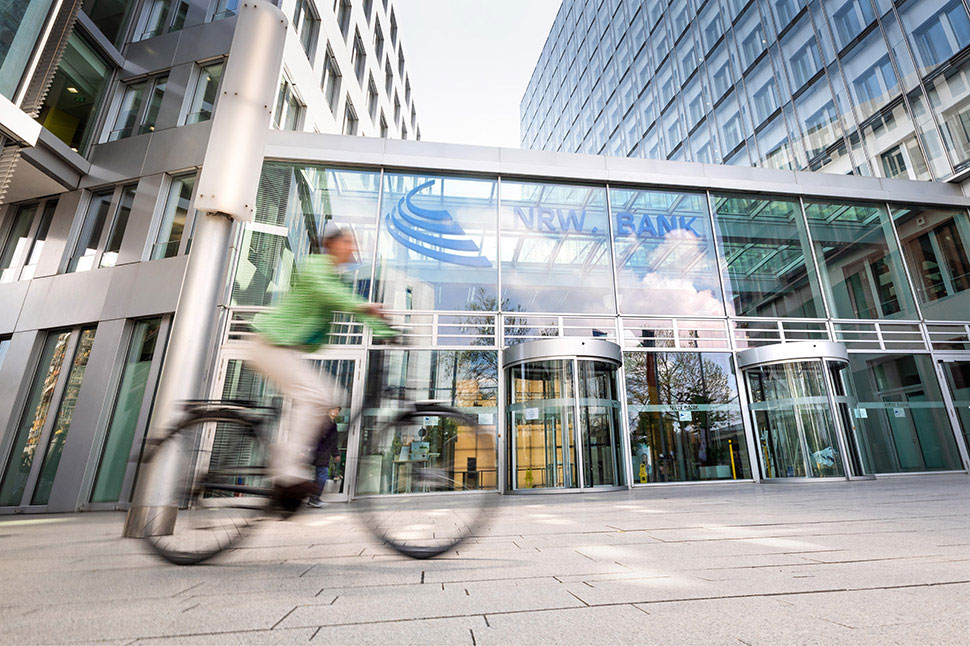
(842, 86)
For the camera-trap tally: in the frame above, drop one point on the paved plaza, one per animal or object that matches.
(884, 561)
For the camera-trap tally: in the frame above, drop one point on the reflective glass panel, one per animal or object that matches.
(16, 243)
(62, 424)
(32, 423)
(75, 92)
(127, 409)
(467, 380)
(174, 217)
(860, 265)
(437, 246)
(665, 256)
(768, 257)
(936, 244)
(21, 23)
(898, 413)
(684, 417)
(555, 249)
(90, 236)
(293, 207)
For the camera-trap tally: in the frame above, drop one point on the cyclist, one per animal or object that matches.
(299, 324)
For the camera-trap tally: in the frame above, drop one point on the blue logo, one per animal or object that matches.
(432, 232)
(561, 221)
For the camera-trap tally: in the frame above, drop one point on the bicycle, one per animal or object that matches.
(213, 488)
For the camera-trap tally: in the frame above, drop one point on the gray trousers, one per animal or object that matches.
(310, 395)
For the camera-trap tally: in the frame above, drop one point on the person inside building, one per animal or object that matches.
(326, 450)
(297, 325)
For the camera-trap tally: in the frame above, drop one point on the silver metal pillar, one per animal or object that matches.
(226, 191)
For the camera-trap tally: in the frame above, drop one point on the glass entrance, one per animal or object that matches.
(564, 425)
(796, 428)
(957, 373)
(542, 425)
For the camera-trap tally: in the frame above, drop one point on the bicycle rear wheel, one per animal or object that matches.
(447, 462)
(212, 488)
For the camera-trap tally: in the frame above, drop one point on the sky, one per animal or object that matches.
(469, 62)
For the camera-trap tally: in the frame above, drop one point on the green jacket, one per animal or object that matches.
(303, 316)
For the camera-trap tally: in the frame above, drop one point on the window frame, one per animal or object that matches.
(158, 218)
(190, 97)
(20, 260)
(116, 194)
(139, 123)
(331, 80)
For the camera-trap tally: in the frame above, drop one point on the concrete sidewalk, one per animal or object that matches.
(864, 562)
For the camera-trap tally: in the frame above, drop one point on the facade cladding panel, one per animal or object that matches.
(864, 87)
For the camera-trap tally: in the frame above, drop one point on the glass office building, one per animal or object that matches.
(867, 87)
(614, 332)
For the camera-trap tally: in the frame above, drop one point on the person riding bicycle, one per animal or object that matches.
(299, 324)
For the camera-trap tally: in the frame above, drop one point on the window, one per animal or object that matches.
(388, 76)
(946, 32)
(161, 16)
(454, 273)
(23, 24)
(358, 58)
(368, 9)
(110, 16)
(397, 110)
(102, 229)
(861, 266)
(393, 29)
(769, 268)
(331, 81)
(786, 10)
(132, 405)
(206, 91)
(935, 245)
(135, 110)
(876, 82)
(289, 111)
(400, 61)
(379, 40)
(89, 237)
(372, 98)
(350, 119)
(343, 17)
(661, 441)
(404, 132)
(171, 229)
(804, 64)
(116, 232)
(849, 19)
(40, 435)
(383, 126)
(307, 25)
(225, 8)
(75, 93)
(25, 240)
(414, 118)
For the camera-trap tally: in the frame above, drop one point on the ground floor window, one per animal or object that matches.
(684, 417)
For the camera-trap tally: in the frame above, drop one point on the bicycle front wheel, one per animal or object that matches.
(211, 486)
(428, 481)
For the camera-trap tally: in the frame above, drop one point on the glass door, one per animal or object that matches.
(343, 372)
(542, 422)
(957, 374)
(796, 427)
(599, 424)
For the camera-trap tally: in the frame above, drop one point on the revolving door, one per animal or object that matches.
(563, 415)
(800, 411)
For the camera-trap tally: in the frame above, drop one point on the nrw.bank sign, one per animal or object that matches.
(624, 224)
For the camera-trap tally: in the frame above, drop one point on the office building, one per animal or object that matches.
(867, 87)
(105, 111)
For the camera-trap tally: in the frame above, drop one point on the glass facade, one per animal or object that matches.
(843, 86)
(682, 280)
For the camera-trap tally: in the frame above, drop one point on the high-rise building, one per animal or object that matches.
(106, 108)
(867, 87)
